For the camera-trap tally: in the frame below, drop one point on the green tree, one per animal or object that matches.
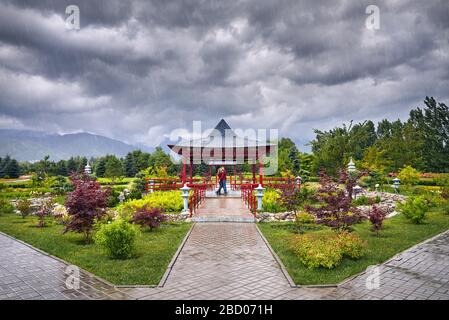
(432, 123)
(114, 167)
(61, 168)
(100, 168)
(130, 169)
(71, 166)
(12, 169)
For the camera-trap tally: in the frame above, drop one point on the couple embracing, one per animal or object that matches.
(221, 175)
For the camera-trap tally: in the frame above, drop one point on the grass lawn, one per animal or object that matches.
(398, 234)
(154, 249)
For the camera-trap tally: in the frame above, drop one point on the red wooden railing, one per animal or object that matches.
(248, 196)
(279, 183)
(167, 184)
(197, 196)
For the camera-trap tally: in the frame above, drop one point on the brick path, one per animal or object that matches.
(228, 261)
(26, 273)
(223, 209)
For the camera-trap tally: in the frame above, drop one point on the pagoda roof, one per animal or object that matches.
(222, 136)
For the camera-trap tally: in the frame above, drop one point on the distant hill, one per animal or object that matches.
(25, 145)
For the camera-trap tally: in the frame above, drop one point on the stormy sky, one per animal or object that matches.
(136, 70)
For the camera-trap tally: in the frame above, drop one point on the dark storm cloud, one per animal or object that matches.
(138, 69)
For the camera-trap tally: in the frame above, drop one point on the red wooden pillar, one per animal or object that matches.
(260, 173)
(183, 176)
(191, 170)
(235, 177)
(253, 166)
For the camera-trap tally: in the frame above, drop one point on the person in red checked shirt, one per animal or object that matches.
(222, 180)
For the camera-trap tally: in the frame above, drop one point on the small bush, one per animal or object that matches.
(24, 207)
(304, 221)
(315, 252)
(6, 207)
(118, 238)
(305, 218)
(271, 201)
(376, 216)
(414, 209)
(409, 175)
(361, 201)
(366, 201)
(350, 245)
(169, 201)
(149, 217)
(328, 249)
(45, 210)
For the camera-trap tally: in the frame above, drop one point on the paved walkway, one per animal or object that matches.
(223, 208)
(229, 261)
(26, 273)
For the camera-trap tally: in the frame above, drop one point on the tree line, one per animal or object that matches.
(422, 141)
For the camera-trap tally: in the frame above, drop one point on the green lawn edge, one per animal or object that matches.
(154, 250)
(398, 235)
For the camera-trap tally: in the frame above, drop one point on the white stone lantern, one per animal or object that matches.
(87, 169)
(121, 197)
(356, 191)
(151, 185)
(259, 196)
(351, 166)
(298, 181)
(396, 184)
(185, 197)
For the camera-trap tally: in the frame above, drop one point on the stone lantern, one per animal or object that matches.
(396, 184)
(87, 169)
(298, 180)
(185, 197)
(351, 166)
(121, 197)
(356, 191)
(259, 196)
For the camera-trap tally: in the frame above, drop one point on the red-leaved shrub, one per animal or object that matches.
(336, 209)
(376, 216)
(149, 217)
(85, 204)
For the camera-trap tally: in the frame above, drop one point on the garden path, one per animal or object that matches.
(228, 261)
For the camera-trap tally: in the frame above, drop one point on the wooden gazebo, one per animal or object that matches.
(222, 147)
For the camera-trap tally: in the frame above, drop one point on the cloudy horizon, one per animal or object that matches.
(137, 70)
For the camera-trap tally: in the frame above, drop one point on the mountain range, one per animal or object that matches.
(26, 145)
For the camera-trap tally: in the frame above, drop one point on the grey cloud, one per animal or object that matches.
(137, 68)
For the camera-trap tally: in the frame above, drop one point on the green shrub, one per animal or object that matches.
(118, 238)
(304, 221)
(315, 252)
(24, 207)
(351, 245)
(327, 249)
(414, 209)
(361, 201)
(409, 175)
(271, 201)
(305, 218)
(366, 201)
(169, 201)
(6, 207)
